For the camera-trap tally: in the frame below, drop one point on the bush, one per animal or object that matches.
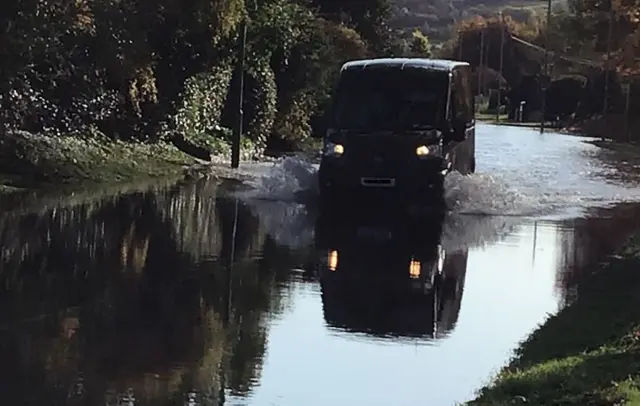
(200, 108)
(133, 70)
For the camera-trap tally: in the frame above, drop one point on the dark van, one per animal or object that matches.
(399, 126)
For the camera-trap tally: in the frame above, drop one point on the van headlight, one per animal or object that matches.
(427, 150)
(333, 149)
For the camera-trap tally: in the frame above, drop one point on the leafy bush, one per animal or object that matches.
(133, 69)
(200, 109)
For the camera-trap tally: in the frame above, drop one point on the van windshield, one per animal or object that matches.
(390, 99)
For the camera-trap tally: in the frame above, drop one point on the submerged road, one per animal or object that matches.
(519, 172)
(191, 295)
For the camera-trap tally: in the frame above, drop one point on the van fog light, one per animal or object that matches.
(424, 151)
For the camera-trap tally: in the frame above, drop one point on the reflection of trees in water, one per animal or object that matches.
(197, 214)
(125, 295)
(585, 242)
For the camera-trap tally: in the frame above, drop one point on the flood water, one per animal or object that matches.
(211, 292)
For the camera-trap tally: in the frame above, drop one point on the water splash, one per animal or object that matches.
(484, 194)
(294, 179)
(503, 191)
(465, 231)
(292, 225)
(290, 179)
(289, 224)
(483, 208)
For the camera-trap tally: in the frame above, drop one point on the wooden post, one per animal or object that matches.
(605, 108)
(237, 134)
(547, 43)
(480, 64)
(502, 39)
(626, 111)
(485, 86)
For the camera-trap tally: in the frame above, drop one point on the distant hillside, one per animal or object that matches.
(437, 18)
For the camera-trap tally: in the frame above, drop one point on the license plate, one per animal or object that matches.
(374, 233)
(378, 182)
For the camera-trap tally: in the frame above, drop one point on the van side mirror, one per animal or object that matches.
(459, 128)
(318, 127)
(317, 133)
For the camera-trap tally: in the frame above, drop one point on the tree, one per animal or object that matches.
(152, 69)
(369, 18)
(420, 45)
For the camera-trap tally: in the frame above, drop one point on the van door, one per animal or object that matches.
(463, 115)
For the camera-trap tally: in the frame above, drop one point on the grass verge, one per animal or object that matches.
(491, 117)
(589, 353)
(29, 161)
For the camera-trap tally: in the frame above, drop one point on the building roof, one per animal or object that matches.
(431, 64)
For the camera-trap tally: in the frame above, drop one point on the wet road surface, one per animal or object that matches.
(190, 295)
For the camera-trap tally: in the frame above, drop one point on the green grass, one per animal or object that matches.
(491, 117)
(30, 161)
(589, 353)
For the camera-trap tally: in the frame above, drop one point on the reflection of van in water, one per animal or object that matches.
(398, 125)
(404, 284)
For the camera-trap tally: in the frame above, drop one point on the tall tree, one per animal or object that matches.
(369, 18)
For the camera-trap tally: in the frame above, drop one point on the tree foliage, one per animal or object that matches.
(420, 45)
(581, 29)
(141, 68)
(596, 40)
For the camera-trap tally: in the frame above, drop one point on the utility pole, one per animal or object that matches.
(237, 134)
(481, 61)
(485, 86)
(502, 39)
(546, 75)
(605, 108)
(626, 110)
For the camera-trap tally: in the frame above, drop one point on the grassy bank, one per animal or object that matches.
(504, 120)
(588, 354)
(29, 161)
(613, 127)
(491, 118)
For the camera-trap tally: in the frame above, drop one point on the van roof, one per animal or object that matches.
(430, 64)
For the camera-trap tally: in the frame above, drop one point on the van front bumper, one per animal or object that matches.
(338, 182)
